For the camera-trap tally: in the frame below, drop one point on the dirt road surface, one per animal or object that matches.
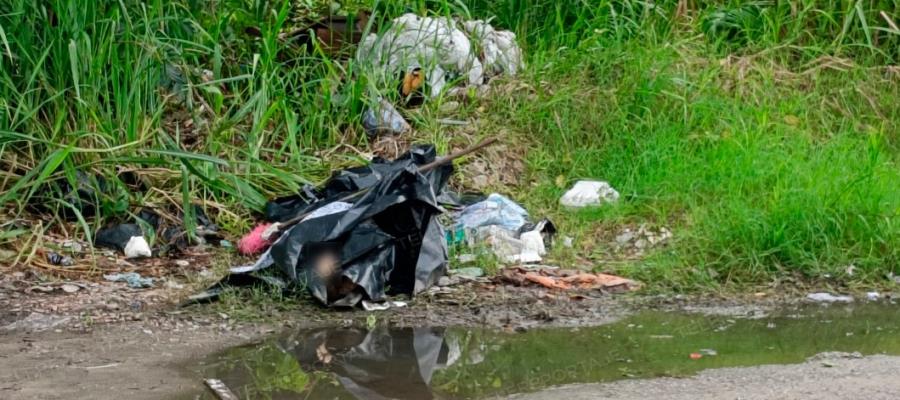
(832, 377)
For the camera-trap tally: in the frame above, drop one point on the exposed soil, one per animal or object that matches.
(106, 340)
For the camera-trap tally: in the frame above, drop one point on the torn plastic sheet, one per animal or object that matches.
(388, 240)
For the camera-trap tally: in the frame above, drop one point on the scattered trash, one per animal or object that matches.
(503, 225)
(182, 263)
(568, 279)
(499, 52)
(70, 288)
(371, 306)
(873, 296)
(171, 230)
(568, 242)
(225, 244)
(384, 119)
(55, 258)
(504, 245)
(387, 239)
(822, 297)
(696, 356)
(443, 50)
(133, 279)
(496, 210)
(589, 193)
(435, 45)
(709, 352)
(127, 238)
(254, 243)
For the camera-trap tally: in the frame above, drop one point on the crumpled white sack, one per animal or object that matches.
(589, 193)
(436, 45)
(500, 54)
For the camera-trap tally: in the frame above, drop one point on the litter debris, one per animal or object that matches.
(371, 306)
(709, 352)
(443, 50)
(384, 119)
(127, 238)
(496, 210)
(499, 52)
(55, 258)
(133, 279)
(387, 239)
(873, 296)
(171, 229)
(696, 356)
(823, 297)
(567, 279)
(589, 193)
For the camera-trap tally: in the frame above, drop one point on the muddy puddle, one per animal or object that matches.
(463, 363)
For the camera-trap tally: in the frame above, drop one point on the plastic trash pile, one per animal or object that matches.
(503, 226)
(387, 242)
(434, 50)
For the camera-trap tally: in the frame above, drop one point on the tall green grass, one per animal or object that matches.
(764, 133)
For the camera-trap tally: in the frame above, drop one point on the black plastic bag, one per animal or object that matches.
(388, 242)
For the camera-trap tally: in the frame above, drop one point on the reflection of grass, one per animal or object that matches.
(638, 347)
(267, 370)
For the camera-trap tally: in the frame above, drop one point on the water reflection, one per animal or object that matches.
(464, 363)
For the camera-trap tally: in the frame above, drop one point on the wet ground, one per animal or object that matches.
(378, 361)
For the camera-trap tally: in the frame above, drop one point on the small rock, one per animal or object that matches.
(568, 242)
(73, 246)
(70, 288)
(444, 281)
(624, 237)
(470, 272)
(640, 244)
(173, 284)
(182, 263)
